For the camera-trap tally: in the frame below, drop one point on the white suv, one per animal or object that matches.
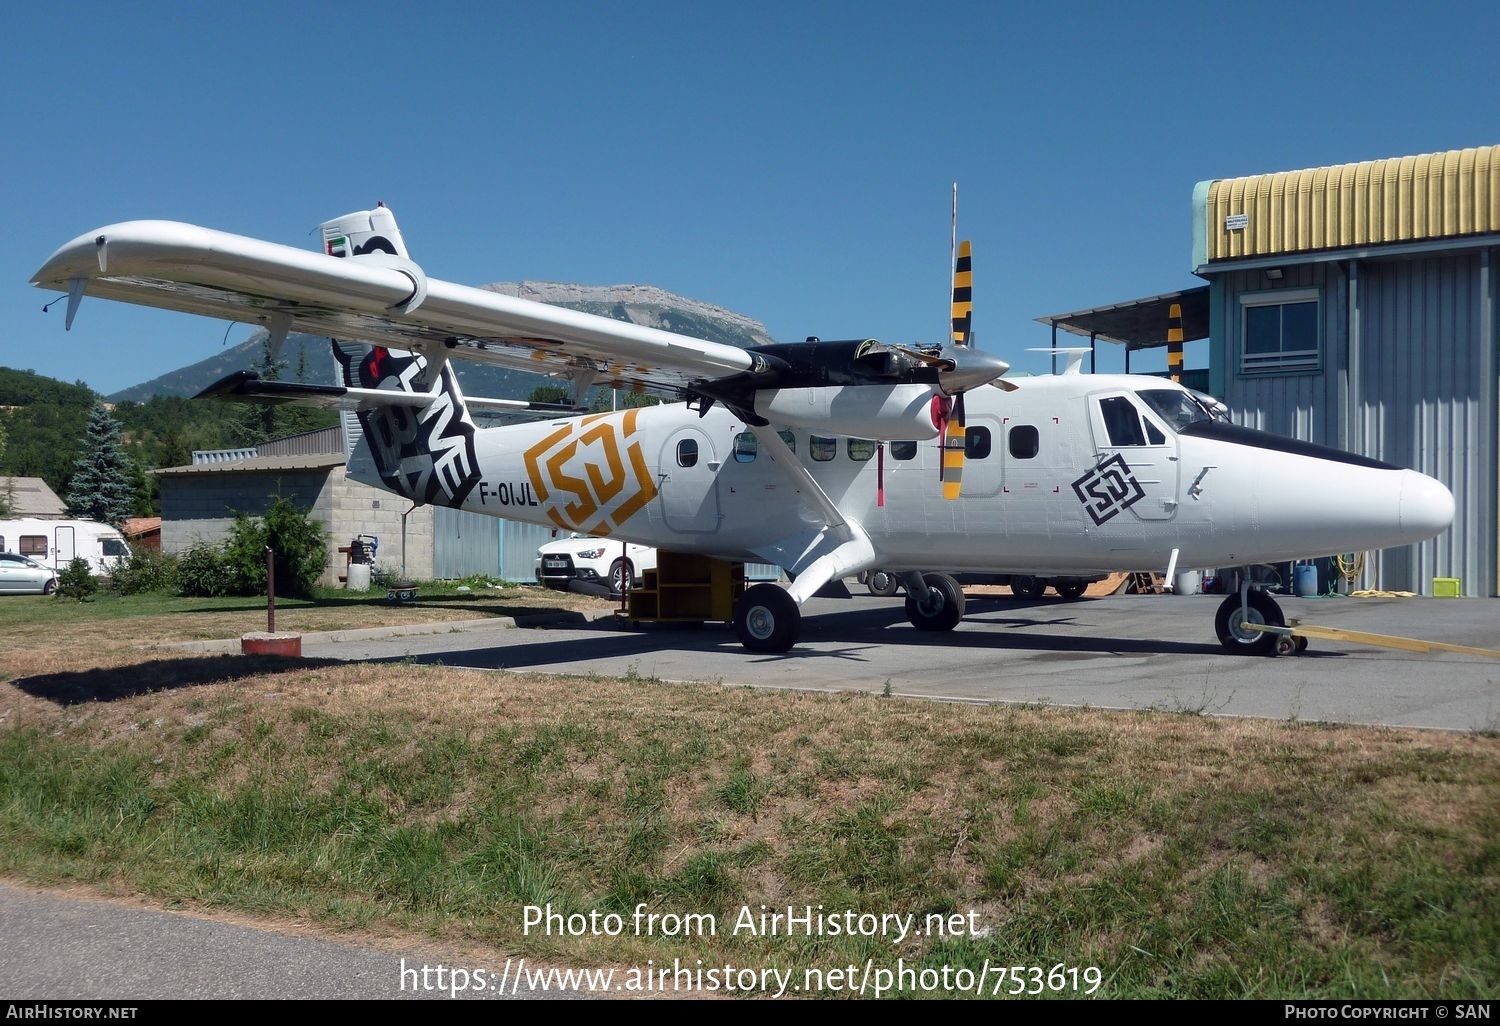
(598, 561)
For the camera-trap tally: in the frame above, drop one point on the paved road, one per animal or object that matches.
(65, 949)
(1124, 652)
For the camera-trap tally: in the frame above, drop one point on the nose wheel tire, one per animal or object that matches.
(942, 610)
(767, 619)
(1239, 640)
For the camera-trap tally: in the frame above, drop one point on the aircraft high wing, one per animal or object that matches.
(826, 458)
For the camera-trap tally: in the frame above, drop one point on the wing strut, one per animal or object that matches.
(838, 548)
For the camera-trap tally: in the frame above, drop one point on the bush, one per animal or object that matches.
(144, 570)
(202, 572)
(384, 577)
(76, 581)
(300, 544)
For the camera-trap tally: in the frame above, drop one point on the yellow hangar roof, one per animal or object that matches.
(1373, 203)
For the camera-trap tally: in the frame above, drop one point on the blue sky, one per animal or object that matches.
(790, 161)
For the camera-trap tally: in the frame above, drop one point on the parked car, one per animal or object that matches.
(596, 561)
(21, 575)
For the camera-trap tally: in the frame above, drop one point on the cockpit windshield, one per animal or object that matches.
(1178, 407)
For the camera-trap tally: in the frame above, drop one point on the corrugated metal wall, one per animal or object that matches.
(1422, 394)
(1297, 405)
(464, 543)
(472, 543)
(1403, 199)
(1423, 403)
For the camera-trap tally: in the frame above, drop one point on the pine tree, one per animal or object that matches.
(101, 488)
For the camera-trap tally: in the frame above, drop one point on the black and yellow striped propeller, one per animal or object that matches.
(951, 468)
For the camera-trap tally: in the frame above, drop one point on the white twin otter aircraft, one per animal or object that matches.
(825, 458)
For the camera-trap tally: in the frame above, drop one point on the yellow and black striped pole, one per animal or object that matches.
(963, 294)
(1174, 342)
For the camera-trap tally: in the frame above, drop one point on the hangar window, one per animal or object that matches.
(861, 449)
(822, 449)
(746, 446)
(977, 443)
(1279, 331)
(1025, 442)
(687, 452)
(903, 450)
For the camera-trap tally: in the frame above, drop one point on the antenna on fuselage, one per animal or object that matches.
(1075, 355)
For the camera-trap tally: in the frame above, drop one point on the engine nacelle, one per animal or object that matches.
(878, 412)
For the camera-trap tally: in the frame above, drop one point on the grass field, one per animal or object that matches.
(1181, 855)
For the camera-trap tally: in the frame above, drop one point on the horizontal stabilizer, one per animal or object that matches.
(246, 386)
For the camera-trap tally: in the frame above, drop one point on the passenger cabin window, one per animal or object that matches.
(687, 452)
(1025, 442)
(822, 449)
(977, 443)
(903, 450)
(790, 440)
(114, 547)
(33, 544)
(746, 446)
(861, 449)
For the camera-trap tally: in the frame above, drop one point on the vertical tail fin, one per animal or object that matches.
(424, 451)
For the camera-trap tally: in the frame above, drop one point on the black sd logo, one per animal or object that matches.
(1109, 489)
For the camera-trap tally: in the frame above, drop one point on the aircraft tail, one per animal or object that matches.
(425, 450)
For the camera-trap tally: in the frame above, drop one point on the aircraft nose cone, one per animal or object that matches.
(1426, 505)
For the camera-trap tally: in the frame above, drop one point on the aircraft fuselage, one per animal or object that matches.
(1067, 474)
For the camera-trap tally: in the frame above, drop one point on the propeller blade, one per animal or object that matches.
(953, 450)
(963, 294)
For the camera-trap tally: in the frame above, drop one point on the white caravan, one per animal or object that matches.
(54, 543)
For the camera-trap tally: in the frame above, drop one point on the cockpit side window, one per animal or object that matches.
(1121, 421)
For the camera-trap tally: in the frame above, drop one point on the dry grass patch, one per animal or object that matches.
(1183, 855)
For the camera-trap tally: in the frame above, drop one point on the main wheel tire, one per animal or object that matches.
(883, 583)
(621, 574)
(943, 609)
(767, 619)
(1234, 638)
(1071, 590)
(1028, 587)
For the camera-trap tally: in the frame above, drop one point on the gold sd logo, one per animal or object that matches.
(590, 475)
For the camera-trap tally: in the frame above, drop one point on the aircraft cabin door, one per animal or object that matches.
(1135, 466)
(688, 472)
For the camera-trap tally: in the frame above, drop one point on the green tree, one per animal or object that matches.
(261, 422)
(299, 541)
(101, 487)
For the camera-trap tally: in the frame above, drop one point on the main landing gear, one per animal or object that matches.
(766, 617)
